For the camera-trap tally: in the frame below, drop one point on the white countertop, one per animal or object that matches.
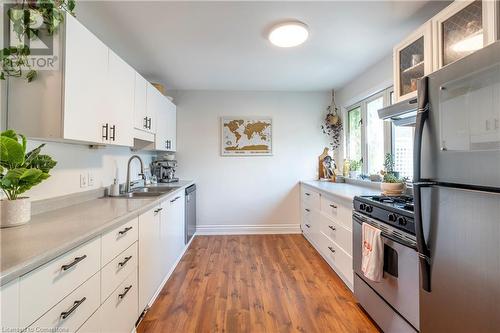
(50, 234)
(344, 191)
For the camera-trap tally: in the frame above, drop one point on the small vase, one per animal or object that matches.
(14, 212)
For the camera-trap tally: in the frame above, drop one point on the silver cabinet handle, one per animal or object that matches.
(124, 231)
(333, 206)
(125, 292)
(73, 263)
(331, 249)
(332, 227)
(308, 225)
(156, 211)
(124, 262)
(308, 194)
(76, 304)
(174, 199)
(308, 210)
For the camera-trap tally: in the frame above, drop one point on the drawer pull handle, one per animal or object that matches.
(124, 231)
(332, 227)
(333, 206)
(308, 194)
(308, 225)
(66, 314)
(124, 262)
(331, 249)
(157, 210)
(174, 199)
(127, 289)
(73, 263)
(308, 210)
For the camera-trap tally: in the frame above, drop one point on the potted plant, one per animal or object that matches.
(19, 171)
(392, 185)
(389, 165)
(354, 168)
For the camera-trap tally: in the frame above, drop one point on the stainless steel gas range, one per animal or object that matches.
(392, 303)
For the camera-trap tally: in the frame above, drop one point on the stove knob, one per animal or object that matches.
(392, 217)
(369, 209)
(402, 220)
(362, 206)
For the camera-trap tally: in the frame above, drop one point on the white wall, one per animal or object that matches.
(73, 160)
(373, 80)
(259, 190)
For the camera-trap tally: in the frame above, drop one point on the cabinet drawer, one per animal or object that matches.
(336, 257)
(337, 233)
(93, 324)
(42, 288)
(117, 270)
(69, 314)
(336, 211)
(120, 311)
(309, 198)
(117, 240)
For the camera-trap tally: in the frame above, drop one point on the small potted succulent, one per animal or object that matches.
(19, 172)
(354, 168)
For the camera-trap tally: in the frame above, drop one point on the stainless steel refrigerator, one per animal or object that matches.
(457, 195)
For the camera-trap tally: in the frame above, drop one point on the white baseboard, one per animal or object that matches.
(249, 229)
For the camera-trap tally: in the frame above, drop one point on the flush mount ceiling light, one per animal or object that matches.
(289, 34)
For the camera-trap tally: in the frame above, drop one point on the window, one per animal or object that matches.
(402, 150)
(354, 130)
(368, 137)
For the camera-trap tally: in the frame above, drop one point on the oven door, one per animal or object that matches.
(399, 286)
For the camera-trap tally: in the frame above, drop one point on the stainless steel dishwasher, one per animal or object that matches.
(190, 226)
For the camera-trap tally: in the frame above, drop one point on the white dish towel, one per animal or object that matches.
(372, 263)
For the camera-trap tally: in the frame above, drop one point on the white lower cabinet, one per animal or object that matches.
(327, 224)
(69, 314)
(120, 311)
(104, 284)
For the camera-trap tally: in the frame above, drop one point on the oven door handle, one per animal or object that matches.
(361, 219)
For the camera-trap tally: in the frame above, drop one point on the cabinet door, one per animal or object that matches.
(461, 29)
(150, 249)
(162, 118)
(172, 126)
(172, 231)
(153, 105)
(9, 305)
(85, 84)
(121, 78)
(412, 60)
(141, 120)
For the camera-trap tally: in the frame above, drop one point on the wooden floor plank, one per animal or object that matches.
(254, 283)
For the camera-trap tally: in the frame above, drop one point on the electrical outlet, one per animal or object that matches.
(83, 180)
(90, 179)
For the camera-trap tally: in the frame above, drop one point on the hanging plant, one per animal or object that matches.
(333, 124)
(27, 19)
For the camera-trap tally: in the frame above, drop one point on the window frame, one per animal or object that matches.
(388, 132)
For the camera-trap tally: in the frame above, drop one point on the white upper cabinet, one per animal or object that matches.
(165, 139)
(412, 61)
(462, 28)
(143, 118)
(120, 110)
(85, 78)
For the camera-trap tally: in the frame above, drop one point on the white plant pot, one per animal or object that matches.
(392, 188)
(14, 212)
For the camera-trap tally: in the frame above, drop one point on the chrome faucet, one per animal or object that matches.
(127, 184)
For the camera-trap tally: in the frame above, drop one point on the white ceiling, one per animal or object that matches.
(223, 46)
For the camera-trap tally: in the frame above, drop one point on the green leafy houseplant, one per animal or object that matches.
(354, 165)
(392, 179)
(20, 171)
(389, 162)
(28, 19)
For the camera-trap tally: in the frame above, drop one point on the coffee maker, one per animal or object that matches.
(164, 170)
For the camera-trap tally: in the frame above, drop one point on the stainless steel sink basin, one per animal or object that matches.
(147, 192)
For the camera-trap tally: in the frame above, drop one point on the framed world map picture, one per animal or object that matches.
(250, 136)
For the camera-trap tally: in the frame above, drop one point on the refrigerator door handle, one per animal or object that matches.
(423, 250)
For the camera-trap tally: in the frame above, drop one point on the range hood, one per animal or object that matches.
(402, 114)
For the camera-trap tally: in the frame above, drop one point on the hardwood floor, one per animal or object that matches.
(257, 283)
